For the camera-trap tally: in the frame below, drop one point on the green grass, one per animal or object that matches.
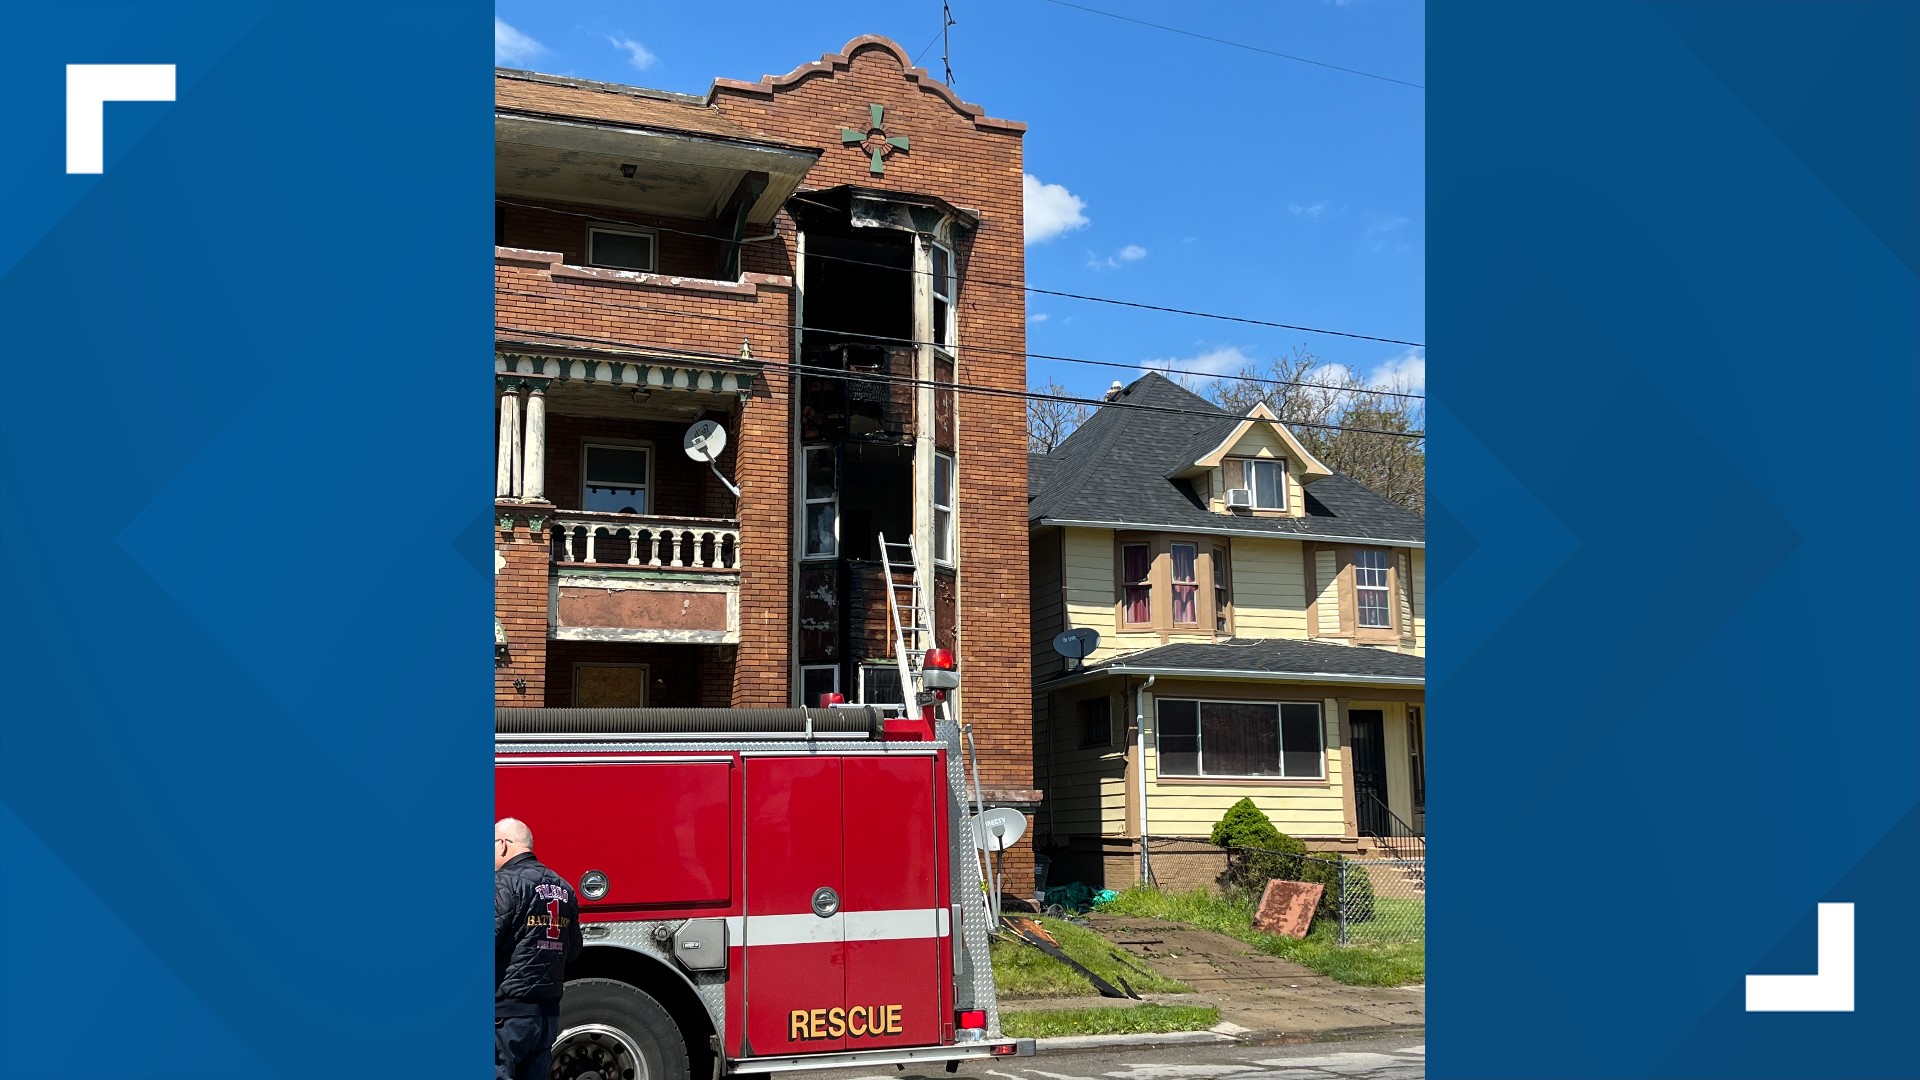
(1020, 970)
(1153, 1019)
(1369, 961)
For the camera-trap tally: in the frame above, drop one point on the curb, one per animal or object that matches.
(1226, 1033)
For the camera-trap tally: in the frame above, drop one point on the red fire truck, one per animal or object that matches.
(761, 890)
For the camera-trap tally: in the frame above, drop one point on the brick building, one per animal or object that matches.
(808, 261)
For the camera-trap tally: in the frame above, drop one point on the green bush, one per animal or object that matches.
(1258, 852)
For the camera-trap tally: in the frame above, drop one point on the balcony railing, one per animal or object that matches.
(583, 538)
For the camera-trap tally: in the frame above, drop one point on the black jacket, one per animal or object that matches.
(536, 932)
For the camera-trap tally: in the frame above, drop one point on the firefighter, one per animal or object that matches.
(536, 933)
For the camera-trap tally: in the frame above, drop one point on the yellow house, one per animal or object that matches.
(1261, 627)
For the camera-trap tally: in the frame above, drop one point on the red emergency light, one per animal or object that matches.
(972, 1018)
(938, 660)
(828, 701)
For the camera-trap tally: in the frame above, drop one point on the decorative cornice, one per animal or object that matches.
(663, 374)
(843, 60)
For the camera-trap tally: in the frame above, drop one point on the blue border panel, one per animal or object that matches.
(1674, 584)
(244, 473)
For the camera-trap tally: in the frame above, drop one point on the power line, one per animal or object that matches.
(959, 387)
(972, 281)
(1223, 318)
(769, 324)
(1238, 44)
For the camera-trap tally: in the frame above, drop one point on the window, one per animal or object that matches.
(614, 479)
(943, 535)
(880, 685)
(1136, 591)
(622, 249)
(822, 495)
(816, 680)
(609, 686)
(1370, 588)
(1220, 598)
(1186, 584)
(942, 297)
(1096, 723)
(1240, 739)
(1266, 479)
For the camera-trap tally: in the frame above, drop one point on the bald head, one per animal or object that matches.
(511, 837)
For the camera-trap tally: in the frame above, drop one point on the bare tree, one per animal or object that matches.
(1050, 422)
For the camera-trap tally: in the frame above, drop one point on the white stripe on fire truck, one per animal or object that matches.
(897, 925)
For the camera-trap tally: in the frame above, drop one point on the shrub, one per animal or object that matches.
(1258, 852)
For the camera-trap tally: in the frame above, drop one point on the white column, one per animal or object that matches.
(506, 480)
(533, 487)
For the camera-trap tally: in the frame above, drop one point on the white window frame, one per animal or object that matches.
(1384, 589)
(1199, 735)
(1253, 486)
(646, 680)
(586, 453)
(946, 289)
(653, 246)
(832, 669)
(946, 533)
(807, 504)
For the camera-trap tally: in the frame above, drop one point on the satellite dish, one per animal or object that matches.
(705, 440)
(1077, 645)
(998, 829)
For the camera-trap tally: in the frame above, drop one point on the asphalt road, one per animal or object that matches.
(1371, 1059)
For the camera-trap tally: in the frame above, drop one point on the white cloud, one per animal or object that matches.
(1038, 316)
(512, 47)
(1312, 211)
(1406, 372)
(1380, 235)
(636, 52)
(1050, 209)
(1130, 253)
(1221, 360)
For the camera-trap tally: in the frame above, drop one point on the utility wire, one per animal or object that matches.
(977, 281)
(958, 387)
(1237, 44)
(988, 349)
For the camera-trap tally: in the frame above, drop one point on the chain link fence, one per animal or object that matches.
(1368, 901)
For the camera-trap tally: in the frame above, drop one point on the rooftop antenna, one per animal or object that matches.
(946, 60)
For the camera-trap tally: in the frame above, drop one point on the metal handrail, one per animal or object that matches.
(1399, 832)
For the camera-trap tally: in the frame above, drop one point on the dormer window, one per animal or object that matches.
(1265, 478)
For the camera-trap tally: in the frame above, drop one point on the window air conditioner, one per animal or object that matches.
(1239, 498)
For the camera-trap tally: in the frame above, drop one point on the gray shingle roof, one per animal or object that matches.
(1114, 468)
(1271, 657)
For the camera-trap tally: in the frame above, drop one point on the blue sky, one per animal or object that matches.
(1163, 169)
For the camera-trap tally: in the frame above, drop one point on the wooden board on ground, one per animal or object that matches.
(1286, 907)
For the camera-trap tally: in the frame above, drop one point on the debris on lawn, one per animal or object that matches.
(1045, 943)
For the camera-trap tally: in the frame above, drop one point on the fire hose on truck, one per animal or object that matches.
(762, 890)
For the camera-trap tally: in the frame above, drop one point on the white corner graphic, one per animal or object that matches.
(89, 88)
(1828, 989)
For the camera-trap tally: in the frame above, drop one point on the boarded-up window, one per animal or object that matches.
(609, 686)
(1326, 583)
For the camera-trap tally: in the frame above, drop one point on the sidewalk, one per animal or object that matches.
(1269, 997)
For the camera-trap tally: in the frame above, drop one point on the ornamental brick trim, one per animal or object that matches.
(831, 64)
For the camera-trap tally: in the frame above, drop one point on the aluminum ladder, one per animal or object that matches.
(911, 618)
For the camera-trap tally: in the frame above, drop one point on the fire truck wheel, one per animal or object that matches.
(611, 1031)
